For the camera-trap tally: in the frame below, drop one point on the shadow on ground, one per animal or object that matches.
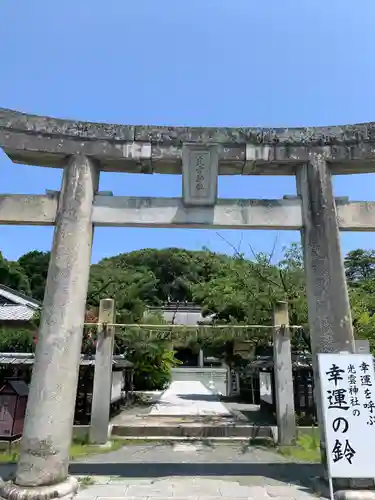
(250, 413)
(299, 474)
(199, 397)
(292, 473)
(259, 417)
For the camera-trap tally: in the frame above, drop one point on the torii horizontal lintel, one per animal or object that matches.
(46, 141)
(124, 211)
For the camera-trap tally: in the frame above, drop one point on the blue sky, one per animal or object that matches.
(179, 62)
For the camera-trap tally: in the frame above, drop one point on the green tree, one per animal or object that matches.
(153, 358)
(13, 276)
(360, 266)
(17, 339)
(292, 277)
(131, 289)
(35, 266)
(234, 290)
(20, 339)
(175, 269)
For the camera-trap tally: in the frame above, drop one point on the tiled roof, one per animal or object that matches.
(10, 312)
(177, 306)
(18, 297)
(182, 313)
(19, 387)
(16, 359)
(7, 358)
(17, 306)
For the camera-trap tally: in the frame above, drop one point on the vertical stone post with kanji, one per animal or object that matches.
(329, 315)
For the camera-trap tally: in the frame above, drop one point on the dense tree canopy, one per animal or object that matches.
(13, 276)
(232, 288)
(35, 267)
(360, 266)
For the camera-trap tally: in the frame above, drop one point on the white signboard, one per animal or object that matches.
(117, 386)
(348, 398)
(265, 387)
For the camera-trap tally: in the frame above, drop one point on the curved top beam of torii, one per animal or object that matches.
(46, 141)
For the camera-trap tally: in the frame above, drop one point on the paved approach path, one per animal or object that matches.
(195, 471)
(189, 488)
(185, 398)
(191, 471)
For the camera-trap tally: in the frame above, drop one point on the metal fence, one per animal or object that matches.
(19, 366)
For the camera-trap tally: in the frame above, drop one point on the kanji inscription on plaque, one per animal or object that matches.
(200, 172)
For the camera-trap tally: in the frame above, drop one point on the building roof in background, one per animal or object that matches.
(181, 313)
(266, 363)
(19, 358)
(16, 306)
(180, 306)
(18, 386)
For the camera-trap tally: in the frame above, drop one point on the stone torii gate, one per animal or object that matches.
(84, 149)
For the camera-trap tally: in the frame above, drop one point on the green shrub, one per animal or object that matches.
(153, 370)
(153, 358)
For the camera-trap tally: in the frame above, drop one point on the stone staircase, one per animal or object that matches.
(152, 427)
(190, 410)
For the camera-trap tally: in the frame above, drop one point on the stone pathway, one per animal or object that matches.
(195, 471)
(200, 453)
(184, 398)
(189, 488)
(192, 470)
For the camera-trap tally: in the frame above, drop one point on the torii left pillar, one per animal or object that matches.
(42, 470)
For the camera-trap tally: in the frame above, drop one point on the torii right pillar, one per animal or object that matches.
(329, 313)
(330, 320)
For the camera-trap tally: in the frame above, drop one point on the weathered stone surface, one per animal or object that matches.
(283, 373)
(66, 490)
(44, 457)
(102, 387)
(65, 145)
(109, 210)
(45, 141)
(329, 314)
(28, 209)
(14, 120)
(171, 212)
(305, 136)
(200, 175)
(354, 134)
(356, 215)
(329, 310)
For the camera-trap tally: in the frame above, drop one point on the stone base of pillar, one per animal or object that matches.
(65, 490)
(319, 485)
(354, 495)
